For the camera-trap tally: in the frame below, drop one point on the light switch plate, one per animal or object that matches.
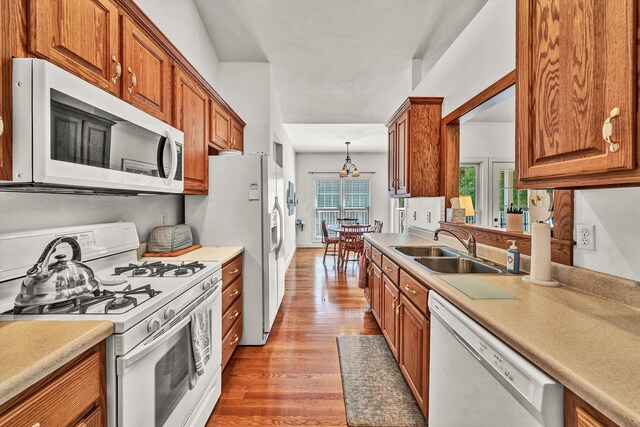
(586, 237)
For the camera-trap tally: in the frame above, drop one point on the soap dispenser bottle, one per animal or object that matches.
(513, 258)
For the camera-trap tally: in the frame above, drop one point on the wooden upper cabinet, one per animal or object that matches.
(220, 126)
(577, 65)
(237, 135)
(391, 158)
(414, 148)
(146, 72)
(402, 154)
(190, 103)
(81, 36)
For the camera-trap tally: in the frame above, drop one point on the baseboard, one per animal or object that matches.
(289, 259)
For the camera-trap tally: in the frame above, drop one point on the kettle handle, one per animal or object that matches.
(43, 261)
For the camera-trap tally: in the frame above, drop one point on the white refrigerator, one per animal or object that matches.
(244, 207)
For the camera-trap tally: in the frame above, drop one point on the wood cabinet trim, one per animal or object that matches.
(578, 413)
(414, 100)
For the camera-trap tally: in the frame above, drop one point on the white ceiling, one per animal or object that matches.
(504, 111)
(337, 61)
(330, 138)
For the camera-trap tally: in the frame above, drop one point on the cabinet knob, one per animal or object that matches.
(607, 130)
(134, 80)
(115, 78)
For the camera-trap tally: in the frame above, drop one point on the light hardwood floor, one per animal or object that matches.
(295, 378)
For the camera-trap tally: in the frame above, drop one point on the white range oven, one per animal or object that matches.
(153, 375)
(69, 134)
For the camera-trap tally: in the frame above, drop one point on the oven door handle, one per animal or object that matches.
(125, 363)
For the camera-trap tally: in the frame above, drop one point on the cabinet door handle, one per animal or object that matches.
(1, 126)
(115, 78)
(235, 340)
(408, 289)
(395, 300)
(607, 130)
(388, 268)
(234, 271)
(234, 293)
(234, 315)
(398, 309)
(134, 80)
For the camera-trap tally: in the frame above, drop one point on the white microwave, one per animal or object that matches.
(70, 135)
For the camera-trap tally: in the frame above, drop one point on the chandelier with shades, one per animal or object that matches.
(348, 167)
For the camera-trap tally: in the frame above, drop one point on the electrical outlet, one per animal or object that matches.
(586, 236)
(163, 219)
(429, 217)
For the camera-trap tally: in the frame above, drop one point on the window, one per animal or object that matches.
(469, 180)
(337, 198)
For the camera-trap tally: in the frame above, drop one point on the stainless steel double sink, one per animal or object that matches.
(443, 260)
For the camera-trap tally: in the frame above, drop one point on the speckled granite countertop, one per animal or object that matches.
(31, 350)
(589, 344)
(207, 253)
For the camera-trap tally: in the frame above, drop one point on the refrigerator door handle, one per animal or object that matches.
(280, 226)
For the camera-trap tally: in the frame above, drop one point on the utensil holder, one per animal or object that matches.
(514, 222)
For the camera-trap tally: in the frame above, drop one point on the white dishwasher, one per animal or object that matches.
(476, 380)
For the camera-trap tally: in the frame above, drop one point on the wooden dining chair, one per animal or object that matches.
(347, 221)
(352, 241)
(328, 240)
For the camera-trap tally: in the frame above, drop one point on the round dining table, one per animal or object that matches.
(336, 228)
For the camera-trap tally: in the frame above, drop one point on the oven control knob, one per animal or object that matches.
(169, 313)
(206, 285)
(153, 325)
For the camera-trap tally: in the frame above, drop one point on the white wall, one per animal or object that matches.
(180, 21)
(488, 139)
(326, 162)
(279, 135)
(22, 212)
(249, 88)
(615, 213)
(483, 53)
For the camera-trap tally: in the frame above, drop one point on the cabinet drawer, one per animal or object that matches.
(231, 315)
(416, 292)
(367, 248)
(231, 271)
(390, 269)
(376, 256)
(62, 401)
(231, 294)
(230, 341)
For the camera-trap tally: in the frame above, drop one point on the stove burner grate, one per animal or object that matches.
(115, 299)
(159, 269)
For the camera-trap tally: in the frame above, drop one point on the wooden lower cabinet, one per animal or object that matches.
(390, 300)
(578, 413)
(376, 293)
(231, 307)
(414, 350)
(404, 326)
(74, 395)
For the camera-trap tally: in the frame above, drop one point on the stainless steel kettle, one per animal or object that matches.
(60, 281)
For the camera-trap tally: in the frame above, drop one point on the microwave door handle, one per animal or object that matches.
(174, 157)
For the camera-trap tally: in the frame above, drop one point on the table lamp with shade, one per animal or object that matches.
(466, 203)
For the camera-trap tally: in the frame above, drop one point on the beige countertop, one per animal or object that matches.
(206, 253)
(31, 350)
(589, 344)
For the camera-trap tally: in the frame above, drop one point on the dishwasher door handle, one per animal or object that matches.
(466, 345)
